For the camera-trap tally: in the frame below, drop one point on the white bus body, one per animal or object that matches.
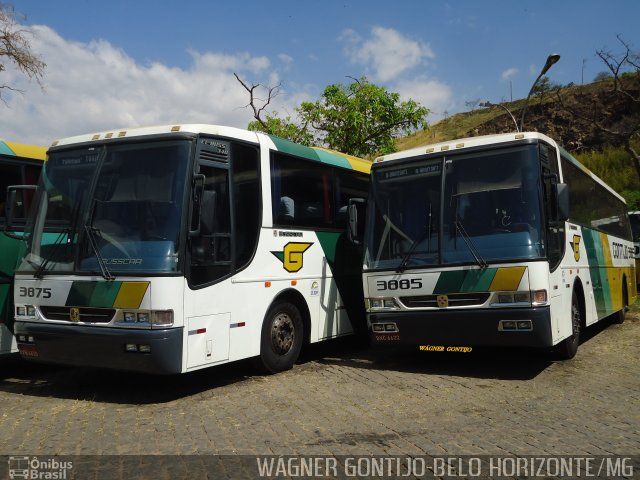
(469, 243)
(182, 247)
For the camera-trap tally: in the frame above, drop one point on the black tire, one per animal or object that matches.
(281, 340)
(568, 348)
(620, 316)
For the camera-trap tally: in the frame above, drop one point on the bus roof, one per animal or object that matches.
(483, 140)
(465, 143)
(312, 153)
(21, 150)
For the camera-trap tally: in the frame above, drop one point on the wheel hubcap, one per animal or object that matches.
(282, 333)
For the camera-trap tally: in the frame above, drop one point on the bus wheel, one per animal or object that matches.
(568, 348)
(281, 340)
(619, 317)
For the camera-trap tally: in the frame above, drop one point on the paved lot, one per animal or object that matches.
(341, 399)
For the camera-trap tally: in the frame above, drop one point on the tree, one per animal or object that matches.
(360, 119)
(16, 49)
(614, 110)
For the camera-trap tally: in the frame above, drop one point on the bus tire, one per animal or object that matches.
(568, 348)
(620, 316)
(281, 339)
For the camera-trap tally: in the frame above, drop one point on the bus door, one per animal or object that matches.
(209, 298)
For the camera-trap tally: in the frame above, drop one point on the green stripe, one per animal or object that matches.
(292, 148)
(309, 153)
(5, 150)
(333, 159)
(459, 281)
(599, 280)
(93, 294)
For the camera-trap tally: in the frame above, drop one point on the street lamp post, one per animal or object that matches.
(489, 104)
(551, 59)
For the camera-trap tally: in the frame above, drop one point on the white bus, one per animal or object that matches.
(185, 246)
(501, 240)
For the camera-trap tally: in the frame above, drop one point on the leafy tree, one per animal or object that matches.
(16, 49)
(359, 119)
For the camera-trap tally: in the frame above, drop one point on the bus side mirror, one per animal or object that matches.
(16, 207)
(357, 214)
(562, 196)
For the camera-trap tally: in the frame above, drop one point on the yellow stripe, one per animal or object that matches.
(357, 163)
(28, 151)
(614, 275)
(131, 294)
(507, 278)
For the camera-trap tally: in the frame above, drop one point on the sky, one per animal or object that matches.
(120, 64)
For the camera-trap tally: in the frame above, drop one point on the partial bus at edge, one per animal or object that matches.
(20, 164)
(181, 247)
(501, 240)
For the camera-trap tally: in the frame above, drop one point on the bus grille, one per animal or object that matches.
(87, 315)
(455, 300)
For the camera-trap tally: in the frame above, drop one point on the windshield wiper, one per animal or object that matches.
(470, 245)
(91, 232)
(403, 264)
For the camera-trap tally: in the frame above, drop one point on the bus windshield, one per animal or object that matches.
(110, 209)
(487, 208)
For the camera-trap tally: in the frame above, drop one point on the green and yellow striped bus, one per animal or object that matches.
(501, 240)
(19, 165)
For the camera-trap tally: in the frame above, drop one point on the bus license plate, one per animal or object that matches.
(29, 351)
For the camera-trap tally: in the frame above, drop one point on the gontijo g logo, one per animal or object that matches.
(291, 256)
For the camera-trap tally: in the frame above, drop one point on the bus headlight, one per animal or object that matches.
(382, 304)
(534, 298)
(147, 318)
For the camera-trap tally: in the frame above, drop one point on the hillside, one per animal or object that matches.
(545, 114)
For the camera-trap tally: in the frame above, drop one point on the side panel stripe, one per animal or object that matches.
(107, 294)
(131, 294)
(507, 279)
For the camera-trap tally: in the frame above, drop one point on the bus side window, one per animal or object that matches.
(9, 175)
(211, 249)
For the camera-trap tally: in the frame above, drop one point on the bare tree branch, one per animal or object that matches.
(16, 48)
(272, 92)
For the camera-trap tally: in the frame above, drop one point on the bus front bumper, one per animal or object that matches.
(510, 327)
(156, 351)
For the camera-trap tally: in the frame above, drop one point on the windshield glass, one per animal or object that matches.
(110, 209)
(490, 210)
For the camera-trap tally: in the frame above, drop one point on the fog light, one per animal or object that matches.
(22, 338)
(378, 327)
(524, 325)
(131, 347)
(129, 316)
(508, 324)
(144, 348)
(390, 327)
(30, 339)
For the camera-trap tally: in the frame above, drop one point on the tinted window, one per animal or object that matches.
(592, 205)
